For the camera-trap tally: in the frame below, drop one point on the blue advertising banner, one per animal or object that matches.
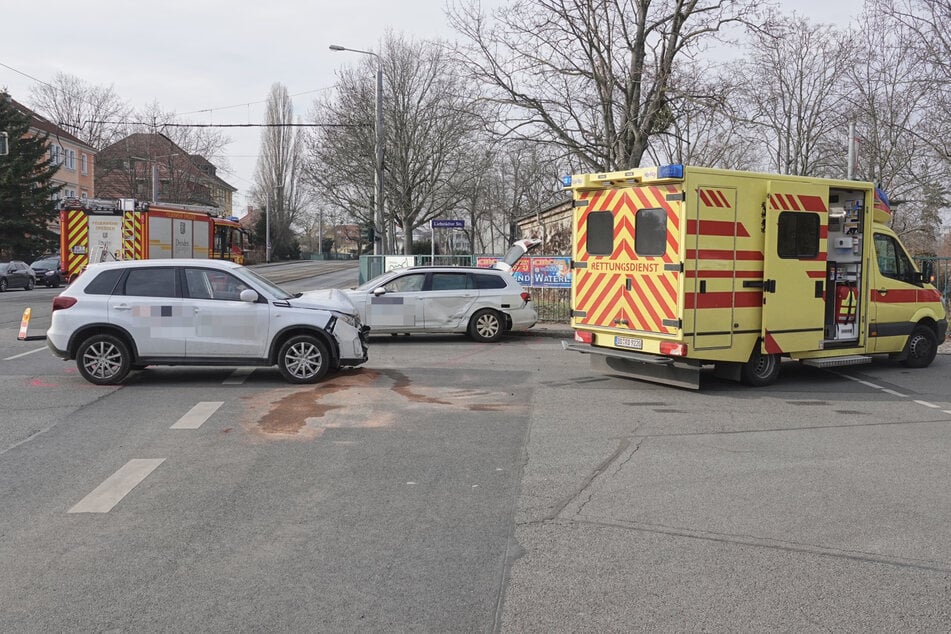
(537, 272)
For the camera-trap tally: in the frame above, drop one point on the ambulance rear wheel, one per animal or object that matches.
(921, 348)
(761, 370)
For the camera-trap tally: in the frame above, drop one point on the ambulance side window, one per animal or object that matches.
(892, 260)
(798, 235)
(650, 232)
(600, 228)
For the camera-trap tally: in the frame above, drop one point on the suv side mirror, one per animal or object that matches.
(248, 295)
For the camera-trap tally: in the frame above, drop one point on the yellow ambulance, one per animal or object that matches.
(676, 267)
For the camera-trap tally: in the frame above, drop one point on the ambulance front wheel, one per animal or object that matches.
(761, 370)
(921, 348)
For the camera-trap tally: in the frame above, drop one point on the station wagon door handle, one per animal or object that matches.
(122, 307)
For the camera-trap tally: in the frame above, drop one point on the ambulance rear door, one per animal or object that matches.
(627, 273)
(794, 266)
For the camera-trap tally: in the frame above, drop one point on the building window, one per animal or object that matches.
(70, 159)
(84, 166)
(84, 195)
(56, 154)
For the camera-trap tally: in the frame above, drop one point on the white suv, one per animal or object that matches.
(121, 316)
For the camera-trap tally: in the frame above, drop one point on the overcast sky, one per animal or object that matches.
(213, 61)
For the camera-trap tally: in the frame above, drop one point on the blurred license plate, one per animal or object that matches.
(629, 342)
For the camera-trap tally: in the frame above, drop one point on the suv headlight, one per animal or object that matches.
(353, 320)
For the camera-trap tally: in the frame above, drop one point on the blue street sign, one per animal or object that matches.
(447, 224)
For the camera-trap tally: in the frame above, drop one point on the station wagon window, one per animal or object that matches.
(798, 235)
(406, 283)
(600, 230)
(151, 282)
(650, 232)
(449, 281)
(485, 281)
(893, 262)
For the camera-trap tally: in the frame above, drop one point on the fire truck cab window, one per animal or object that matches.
(798, 235)
(650, 232)
(892, 260)
(600, 232)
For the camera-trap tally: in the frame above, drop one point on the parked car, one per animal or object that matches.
(16, 274)
(485, 303)
(49, 272)
(121, 316)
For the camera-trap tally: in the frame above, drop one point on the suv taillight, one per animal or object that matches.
(62, 302)
(526, 296)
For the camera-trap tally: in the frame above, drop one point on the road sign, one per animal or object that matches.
(447, 224)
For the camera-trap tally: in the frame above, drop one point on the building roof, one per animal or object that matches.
(43, 124)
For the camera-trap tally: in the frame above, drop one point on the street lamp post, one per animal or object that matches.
(379, 242)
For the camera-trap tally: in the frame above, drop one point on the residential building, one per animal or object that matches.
(76, 159)
(152, 167)
(552, 226)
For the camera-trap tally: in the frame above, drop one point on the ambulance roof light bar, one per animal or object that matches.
(636, 176)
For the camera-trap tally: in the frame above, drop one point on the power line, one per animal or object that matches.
(234, 125)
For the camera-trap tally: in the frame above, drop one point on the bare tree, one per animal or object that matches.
(208, 143)
(279, 175)
(591, 76)
(95, 114)
(792, 97)
(432, 132)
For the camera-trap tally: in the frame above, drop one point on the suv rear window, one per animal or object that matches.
(151, 282)
(104, 283)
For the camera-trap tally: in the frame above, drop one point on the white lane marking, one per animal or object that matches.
(946, 411)
(23, 354)
(894, 393)
(927, 404)
(865, 383)
(238, 376)
(117, 486)
(197, 415)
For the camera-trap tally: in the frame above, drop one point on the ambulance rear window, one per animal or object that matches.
(650, 232)
(600, 233)
(798, 235)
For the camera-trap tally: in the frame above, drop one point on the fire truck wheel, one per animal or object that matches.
(921, 348)
(103, 360)
(303, 359)
(486, 326)
(761, 370)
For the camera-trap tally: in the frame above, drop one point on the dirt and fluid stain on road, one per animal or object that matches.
(352, 399)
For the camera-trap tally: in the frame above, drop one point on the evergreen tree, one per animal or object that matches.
(26, 188)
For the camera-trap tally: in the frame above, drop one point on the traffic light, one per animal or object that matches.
(367, 233)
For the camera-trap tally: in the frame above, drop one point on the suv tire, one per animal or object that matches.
(103, 360)
(303, 359)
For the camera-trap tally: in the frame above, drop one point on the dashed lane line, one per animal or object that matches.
(117, 486)
(197, 415)
(238, 376)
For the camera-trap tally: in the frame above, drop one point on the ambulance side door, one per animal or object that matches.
(894, 293)
(794, 266)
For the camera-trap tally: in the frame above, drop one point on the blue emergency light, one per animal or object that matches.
(670, 171)
(566, 181)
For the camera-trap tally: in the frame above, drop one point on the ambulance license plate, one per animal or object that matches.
(629, 342)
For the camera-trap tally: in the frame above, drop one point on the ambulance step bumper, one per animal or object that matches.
(646, 367)
(837, 362)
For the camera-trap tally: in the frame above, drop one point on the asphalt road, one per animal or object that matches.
(454, 486)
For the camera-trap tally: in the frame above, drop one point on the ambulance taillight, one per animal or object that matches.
(584, 337)
(673, 349)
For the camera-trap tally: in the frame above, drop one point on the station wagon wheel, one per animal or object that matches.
(30, 283)
(921, 348)
(303, 359)
(103, 360)
(761, 370)
(3, 284)
(486, 326)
